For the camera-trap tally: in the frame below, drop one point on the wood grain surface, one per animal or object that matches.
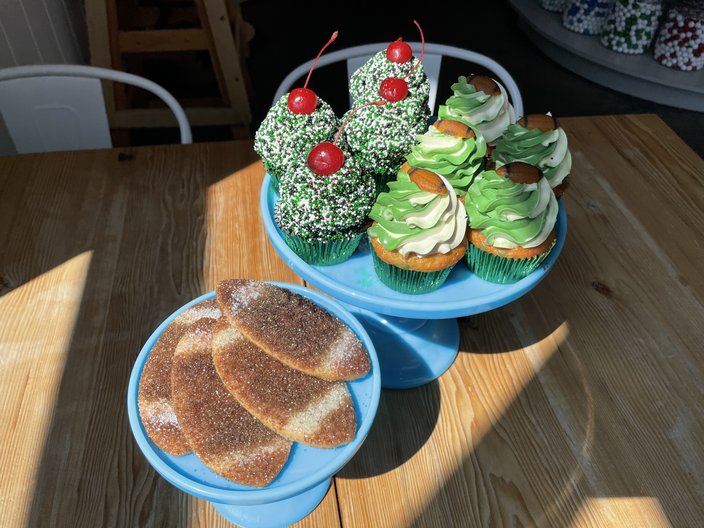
(579, 404)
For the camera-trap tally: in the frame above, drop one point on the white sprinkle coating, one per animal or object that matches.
(379, 136)
(284, 139)
(365, 82)
(325, 208)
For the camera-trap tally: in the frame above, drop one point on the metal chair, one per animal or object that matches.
(61, 106)
(432, 60)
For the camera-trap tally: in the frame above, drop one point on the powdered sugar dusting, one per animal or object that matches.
(244, 295)
(308, 421)
(198, 311)
(158, 414)
(342, 352)
(226, 335)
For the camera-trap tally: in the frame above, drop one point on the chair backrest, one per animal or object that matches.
(52, 107)
(432, 60)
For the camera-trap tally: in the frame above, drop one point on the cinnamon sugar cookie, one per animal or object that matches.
(224, 436)
(303, 408)
(154, 397)
(293, 329)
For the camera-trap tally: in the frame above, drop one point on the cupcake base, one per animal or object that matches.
(323, 253)
(409, 281)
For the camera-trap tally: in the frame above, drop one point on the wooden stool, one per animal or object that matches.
(220, 30)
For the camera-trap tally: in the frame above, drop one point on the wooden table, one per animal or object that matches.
(581, 404)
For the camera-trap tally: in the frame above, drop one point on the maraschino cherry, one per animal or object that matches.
(304, 100)
(327, 158)
(399, 51)
(393, 89)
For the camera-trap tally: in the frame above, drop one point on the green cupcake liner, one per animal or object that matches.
(320, 253)
(409, 281)
(381, 180)
(501, 270)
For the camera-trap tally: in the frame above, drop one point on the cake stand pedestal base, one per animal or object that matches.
(412, 352)
(274, 514)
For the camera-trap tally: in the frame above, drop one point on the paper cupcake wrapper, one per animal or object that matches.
(381, 180)
(501, 270)
(319, 253)
(409, 281)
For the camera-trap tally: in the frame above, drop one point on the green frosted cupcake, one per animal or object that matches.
(418, 234)
(480, 102)
(284, 138)
(512, 213)
(323, 218)
(452, 149)
(538, 140)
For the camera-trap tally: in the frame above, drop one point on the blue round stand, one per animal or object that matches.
(416, 336)
(304, 480)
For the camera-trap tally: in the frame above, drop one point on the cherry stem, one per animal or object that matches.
(351, 113)
(312, 67)
(422, 50)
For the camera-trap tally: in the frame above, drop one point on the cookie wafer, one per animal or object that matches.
(224, 436)
(300, 407)
(154, 397)
(293, 329)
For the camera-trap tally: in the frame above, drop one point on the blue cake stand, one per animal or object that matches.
(416, 336)
(304, 480)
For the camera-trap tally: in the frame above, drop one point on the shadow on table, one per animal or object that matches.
(562, 425)
(414, 412)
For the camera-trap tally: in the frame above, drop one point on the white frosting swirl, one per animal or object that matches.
(443, 226)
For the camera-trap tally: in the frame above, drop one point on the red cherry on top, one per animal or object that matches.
(399, 51)
(393, 89)
(325, 158)
(302, 101)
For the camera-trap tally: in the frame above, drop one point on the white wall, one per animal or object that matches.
(40, 32)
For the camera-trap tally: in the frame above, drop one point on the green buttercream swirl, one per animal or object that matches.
(511, 214)
(546, 150)
(456, 158)
(489, 115)
(411, 220)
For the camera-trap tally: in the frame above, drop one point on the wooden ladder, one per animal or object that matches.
(220, 31)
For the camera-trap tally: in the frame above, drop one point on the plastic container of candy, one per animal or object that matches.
(632, 25)
(556, 6)
(680, 41)
(586, 16)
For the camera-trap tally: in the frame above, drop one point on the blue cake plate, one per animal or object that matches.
(416, 336)
(304, 480)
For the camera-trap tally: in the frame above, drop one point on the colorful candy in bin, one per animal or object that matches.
(586, 16)
(680, 42)
(631, 25)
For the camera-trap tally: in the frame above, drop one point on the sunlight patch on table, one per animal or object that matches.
(636, 512)
(236, 242)
(497, 380)
(31, 369)
(516, 373)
